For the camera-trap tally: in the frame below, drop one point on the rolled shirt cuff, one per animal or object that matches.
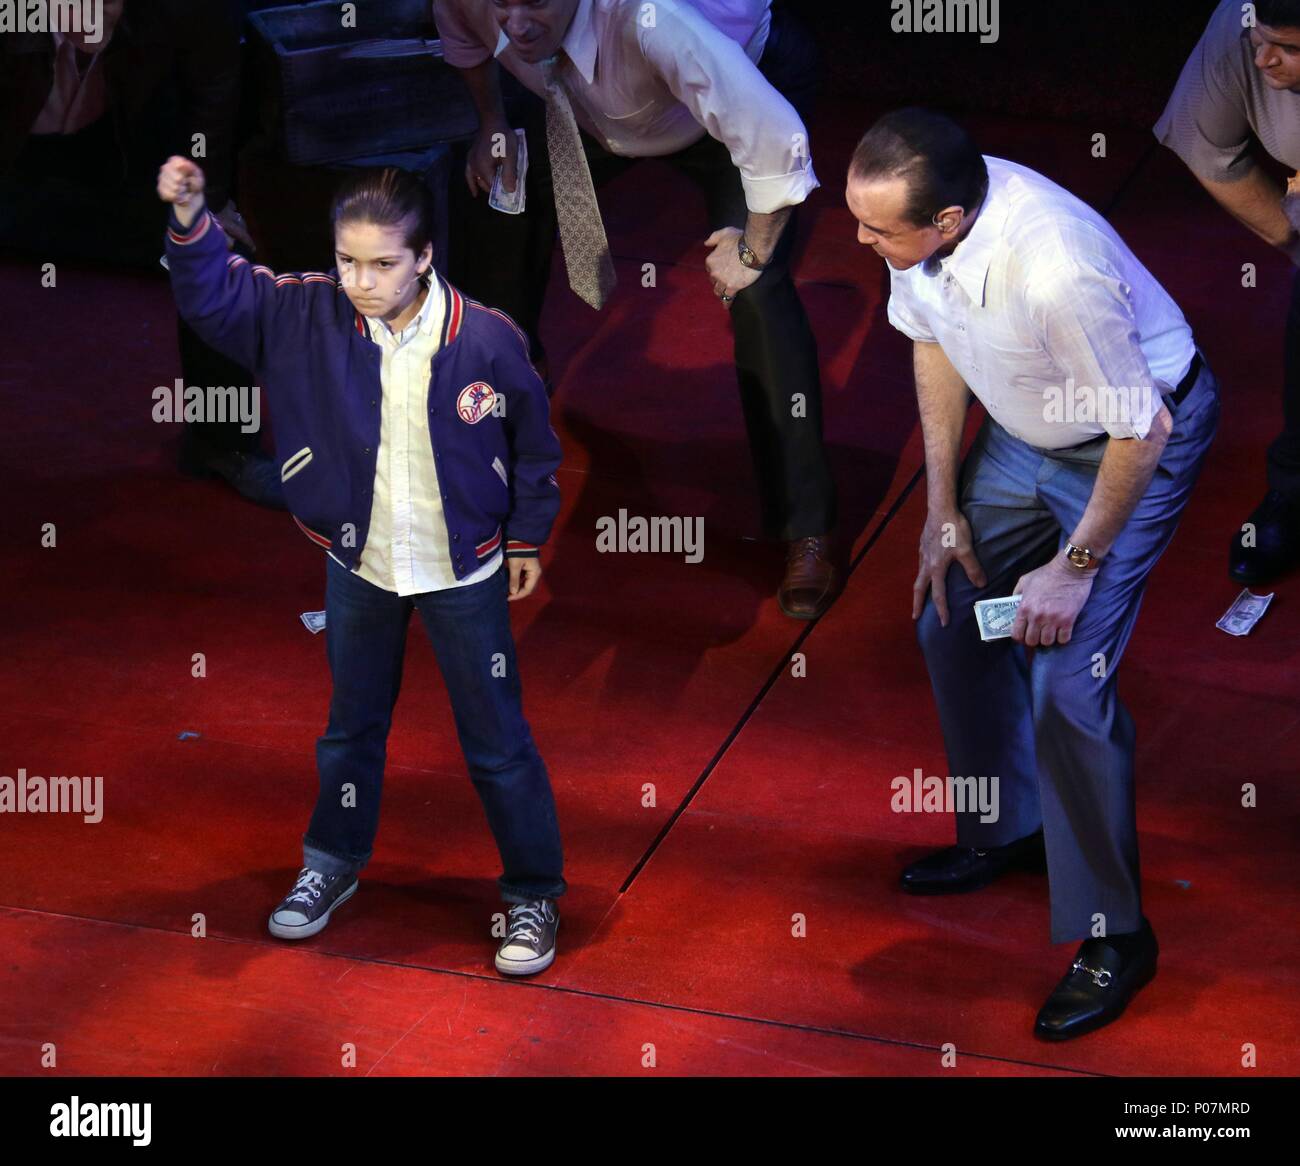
(764, 196)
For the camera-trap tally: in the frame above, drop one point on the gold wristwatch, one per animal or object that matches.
(1081, 557)
(748, 256)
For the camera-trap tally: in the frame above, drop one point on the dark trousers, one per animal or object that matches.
(1284, 453)
(469, 628)
(505, 261)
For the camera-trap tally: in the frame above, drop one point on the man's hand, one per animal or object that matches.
(1053, 597)
(232, 222)
(946, 538)
(497, 145)
(181, 182)
(726, 272)
(524, 574)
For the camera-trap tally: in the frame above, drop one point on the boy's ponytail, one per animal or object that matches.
(387, 197)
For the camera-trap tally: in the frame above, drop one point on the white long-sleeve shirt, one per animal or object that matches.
(651, 79)
(1050, 319)
(406, 548)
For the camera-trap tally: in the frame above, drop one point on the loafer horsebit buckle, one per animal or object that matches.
(1100, 976)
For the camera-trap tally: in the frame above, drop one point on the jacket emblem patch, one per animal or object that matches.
(475, 402)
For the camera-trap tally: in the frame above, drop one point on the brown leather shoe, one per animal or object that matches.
(810, 578)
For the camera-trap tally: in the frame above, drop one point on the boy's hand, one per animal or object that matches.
(180, 181)
(524, 574)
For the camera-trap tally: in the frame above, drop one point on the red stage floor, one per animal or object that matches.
(637, 669)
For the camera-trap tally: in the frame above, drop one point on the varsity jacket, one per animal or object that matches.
(310, 352)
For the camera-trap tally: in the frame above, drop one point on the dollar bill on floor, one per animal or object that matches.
(501, 199)
(995, 616)
(1246, 611)
(314, 621)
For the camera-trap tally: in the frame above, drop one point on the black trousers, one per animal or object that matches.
(1284, 453)
(505, 261)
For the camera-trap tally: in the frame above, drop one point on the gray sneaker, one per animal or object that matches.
(529, 945)
(307, 908)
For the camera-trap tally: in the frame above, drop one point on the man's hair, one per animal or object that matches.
(932, 153)
(387, 197)
(1278, 13)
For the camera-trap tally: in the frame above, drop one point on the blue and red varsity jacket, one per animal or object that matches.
(309, 349)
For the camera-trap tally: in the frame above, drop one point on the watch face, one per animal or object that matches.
(1080, 557)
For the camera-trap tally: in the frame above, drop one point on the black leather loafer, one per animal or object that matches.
(1098, 986)
(1275, 546)
(963, 868)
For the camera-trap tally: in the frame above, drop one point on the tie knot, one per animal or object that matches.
(550, 67)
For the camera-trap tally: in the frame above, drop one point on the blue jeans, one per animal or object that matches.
(1054, 729)
(469, 627)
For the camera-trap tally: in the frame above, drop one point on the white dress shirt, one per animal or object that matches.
(651, 79)
(1048, 316)
(406, 547)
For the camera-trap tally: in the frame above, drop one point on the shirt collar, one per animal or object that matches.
(424, 319)
(971, 259)
(579, 43)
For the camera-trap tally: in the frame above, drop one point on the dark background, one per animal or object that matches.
(1108, 60)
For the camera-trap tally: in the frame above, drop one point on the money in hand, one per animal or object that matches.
(1244, 613)
(995, 616)
(501, 199)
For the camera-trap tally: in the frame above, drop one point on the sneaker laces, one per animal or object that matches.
(527, 921)
(308, 888)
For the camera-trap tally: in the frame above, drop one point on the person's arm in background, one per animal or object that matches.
(205, 34)
(1259, 204)
(1206, 124)
(495, 143)
(729, 96)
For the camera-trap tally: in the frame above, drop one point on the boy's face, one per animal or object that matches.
(379, 272)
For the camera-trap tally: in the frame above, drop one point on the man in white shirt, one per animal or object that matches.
(1239, 97)
(713, 87)
(1100, 411)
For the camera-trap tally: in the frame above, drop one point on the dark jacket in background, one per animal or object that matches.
(193, 43)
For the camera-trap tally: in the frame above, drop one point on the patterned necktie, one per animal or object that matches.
(586, 249)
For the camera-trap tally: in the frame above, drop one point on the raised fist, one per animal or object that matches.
(180, 181)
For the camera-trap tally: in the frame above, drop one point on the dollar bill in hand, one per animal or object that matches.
(501, 199)
(995, 616)
(314, 621)
(1246, 611)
